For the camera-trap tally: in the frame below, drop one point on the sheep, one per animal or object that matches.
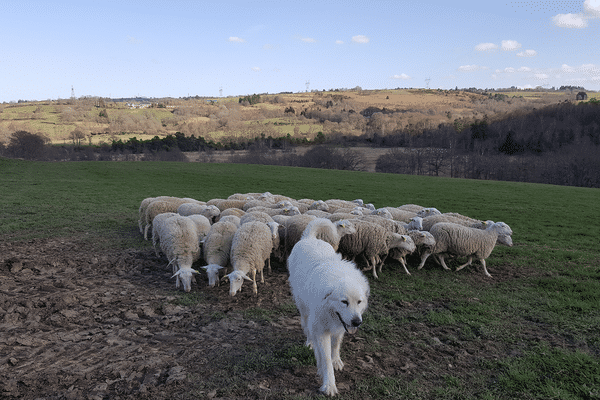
(398, 214)
(256, 216)
(293, 229)
(426, 212)
(422, 240)
(240, 196)
(202, 225)
(232, 211)
(157, 224)
(390, 224)
(158, 207)
(216, 249)
(463, 241)
(411, 207)
(276, 211)
(251, 248)
(430, 221)
(317, 213)
(225, 204)
(179, 241)
(336, 216)
(231, 218)
(416, 224)
(327, 231)
(209, 211)
(372, 241)
(319, 205)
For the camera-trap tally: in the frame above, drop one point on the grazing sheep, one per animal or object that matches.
(251, 249)
(225, 204)
(231, 218)
(327, 231)
(422, 240)
(216, 249)
(319, 205)
(373, 242)
(202, 225)
(256, 216)
(232, 211)
(463, 241)
(426, 212)
(209, 211)
(179, 241)
(289, 211)
(318, 213)
(157, 224)
(398, 214)
(428, 222)
(158, 207)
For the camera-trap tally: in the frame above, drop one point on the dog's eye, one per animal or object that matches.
(345, 302)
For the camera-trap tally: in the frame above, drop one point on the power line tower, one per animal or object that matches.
(307, 85)
(427, 83)
(72, 93)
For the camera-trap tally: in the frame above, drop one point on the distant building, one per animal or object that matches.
(581, 96)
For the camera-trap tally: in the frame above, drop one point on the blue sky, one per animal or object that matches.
(177, 48)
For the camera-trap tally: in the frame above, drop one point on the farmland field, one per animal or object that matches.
(87, 310)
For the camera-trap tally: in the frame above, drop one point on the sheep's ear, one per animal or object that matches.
(225, 278)
(205, 267)
(176, 274)
(195, 271)
(247, 278)
(403, 238)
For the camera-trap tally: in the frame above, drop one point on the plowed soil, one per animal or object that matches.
(79, 323)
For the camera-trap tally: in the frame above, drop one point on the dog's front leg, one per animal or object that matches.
(336, 344)
(324, 364)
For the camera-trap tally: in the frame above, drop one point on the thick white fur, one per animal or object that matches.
(331, 295)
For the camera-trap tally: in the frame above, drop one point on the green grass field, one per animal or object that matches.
(547, 308)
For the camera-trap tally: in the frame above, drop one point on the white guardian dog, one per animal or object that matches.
(331, 295)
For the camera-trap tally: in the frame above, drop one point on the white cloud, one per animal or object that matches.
(308, 40)
(471, 68)
(486, 47)
(592, 8)
(578, 21)
(256, 69)
(541, 77)
(527, 53)
(510, 45)
(567, 68)
(401, 76)
(524, 69)
(509, 70)
(339, 42)
(236, 39)
(360, 39)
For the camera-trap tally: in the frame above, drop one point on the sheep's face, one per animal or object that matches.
(236, 279)
(505, 240)
(402, 242)
(212, 272)
(184, 275)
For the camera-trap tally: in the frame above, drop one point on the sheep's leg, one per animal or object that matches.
(469, 263)
(403, 262)
(443, 261)
(268, 266)
(366, 260)
(381, 261)
(373, 262)
(485, 271)
(423, 259)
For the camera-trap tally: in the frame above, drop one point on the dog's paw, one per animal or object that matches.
(337, 364)
(329, 390)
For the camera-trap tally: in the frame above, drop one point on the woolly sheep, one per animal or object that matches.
(158, 207)
(231, 218)
(157, 224)
(336, 216)
(209, 211)
(426, 212)
(179, 242)
(202, 225)
(318, 213)
(372, 241)
(216, 249)
(422, 240)
(232, 211)
(430, 221)
(276, 211)
(398, 214)
(390, 224)
(241, 196)
(416, 224)
(293, 229)
(256, 216)
(411, 207)
(327, 231)
(225, 204)
(463, 241)
(251, 248)
(319, 205)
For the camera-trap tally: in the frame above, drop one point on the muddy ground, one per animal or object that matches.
(79, 323)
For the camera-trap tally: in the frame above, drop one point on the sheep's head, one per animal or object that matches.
(345, 227)
(423, 239)
(403, 242)
(212, 271)
(236, 279)
(427, 212)
(416, 223)
(184, 275)
(382, 212)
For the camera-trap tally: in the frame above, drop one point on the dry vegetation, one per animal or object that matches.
(94, 120)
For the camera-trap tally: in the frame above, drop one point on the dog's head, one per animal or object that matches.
(348, 306)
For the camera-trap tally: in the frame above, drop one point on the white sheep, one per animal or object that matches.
(428, 222)
(232, 211)
(216, 249)
(250, 250)
(289, 211)
(398, 214)
(209, 211)
(462, 241)
(179, 242)
(158, 207)
(327, 231)
(373, 242)
(230, 218)
(157, 224)
(426, 212)
(423, 241)
(256, 216)
(292, 231)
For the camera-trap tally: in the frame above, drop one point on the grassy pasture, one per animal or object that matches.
(542, 311)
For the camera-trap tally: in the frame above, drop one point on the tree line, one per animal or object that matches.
(556, 144)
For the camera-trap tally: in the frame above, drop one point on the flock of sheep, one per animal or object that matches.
(242, 233)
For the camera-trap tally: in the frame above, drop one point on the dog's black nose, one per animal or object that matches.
(356, 322)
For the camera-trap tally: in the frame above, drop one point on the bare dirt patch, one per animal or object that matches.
(78, 323)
